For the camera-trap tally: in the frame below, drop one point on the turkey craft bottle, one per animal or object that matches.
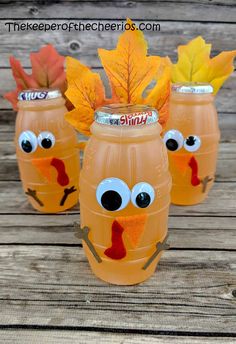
(191, 137)
(124, 194)
(46, 149)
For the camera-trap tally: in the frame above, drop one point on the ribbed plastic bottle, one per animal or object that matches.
(47, 152)
(124, 194)
(191, 137)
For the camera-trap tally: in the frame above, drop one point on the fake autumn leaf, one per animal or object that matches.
(86, 93)
(128, 68)
(47, 72)
(194, 64)
(158, 97)
(130, 71)
(220, 68)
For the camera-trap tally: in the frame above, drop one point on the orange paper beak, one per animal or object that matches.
(43, 166)
(133, 227)
(181, 162)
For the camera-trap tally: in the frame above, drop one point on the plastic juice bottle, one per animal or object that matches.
(191, 137)
(124, 194)
(46, 149)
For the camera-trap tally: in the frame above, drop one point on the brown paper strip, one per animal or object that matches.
(82, 233)
(160, 246)
(204, 182)
(33, 194)
(67, 192)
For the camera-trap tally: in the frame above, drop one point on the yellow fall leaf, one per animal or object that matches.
(220, 68)
(191, 58)
(194, 64)
(128, 68)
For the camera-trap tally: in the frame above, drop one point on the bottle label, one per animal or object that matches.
(39, 94)
(128, 119)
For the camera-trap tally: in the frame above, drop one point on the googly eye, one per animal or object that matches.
(28, 141)
(46, 139)
(173, 140)
(192, 143)
(113, 194)
(142, 195)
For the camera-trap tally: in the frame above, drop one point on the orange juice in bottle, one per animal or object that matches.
(124, 194)
(46, 149)
(191, 137)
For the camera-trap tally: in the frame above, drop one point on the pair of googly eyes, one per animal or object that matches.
(28, 141)
(113, 194)
(174, 140)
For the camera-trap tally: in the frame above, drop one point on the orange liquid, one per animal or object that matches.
(193, 114)
(133, 154)
(39, 116)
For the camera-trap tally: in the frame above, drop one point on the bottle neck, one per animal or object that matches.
(184, 98)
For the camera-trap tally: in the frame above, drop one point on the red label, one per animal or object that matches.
(137, 118)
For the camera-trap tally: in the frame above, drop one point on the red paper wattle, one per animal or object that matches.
(194, 166)
(62, 177)
(117, 249)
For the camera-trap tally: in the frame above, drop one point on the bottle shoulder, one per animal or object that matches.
(125, 133)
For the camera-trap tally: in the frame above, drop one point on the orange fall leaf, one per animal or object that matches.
(130, 71)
